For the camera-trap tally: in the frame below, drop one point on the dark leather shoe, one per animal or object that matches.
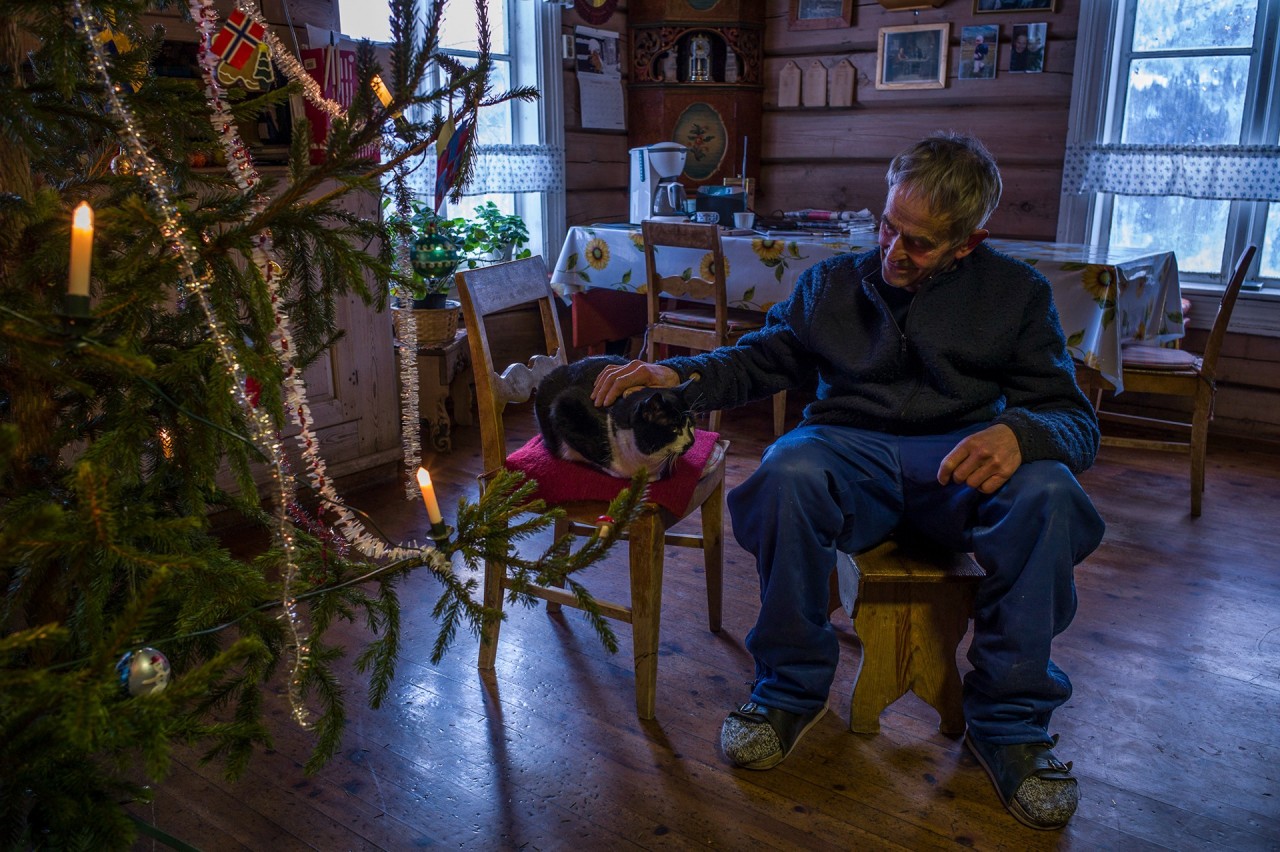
(759, 737)
(1036, 787)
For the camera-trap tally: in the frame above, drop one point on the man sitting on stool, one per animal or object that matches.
(946, 404)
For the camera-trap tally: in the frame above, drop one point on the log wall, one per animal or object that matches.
(835, 157)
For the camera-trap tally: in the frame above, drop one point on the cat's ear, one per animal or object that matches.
(652, 408)
(689, 392)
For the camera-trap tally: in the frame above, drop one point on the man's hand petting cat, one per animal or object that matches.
(613, 382)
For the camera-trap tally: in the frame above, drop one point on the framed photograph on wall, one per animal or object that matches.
(979, 47)
(912, 57)
(820, 14)
(982, 7)
(1026, 48)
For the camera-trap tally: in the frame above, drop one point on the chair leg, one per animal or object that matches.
(779, 413)
(561, 528)
(1199, 446)
(493, 574)
(712, 513)
(646, 607)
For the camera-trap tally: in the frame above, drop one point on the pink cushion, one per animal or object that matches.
(561, 481)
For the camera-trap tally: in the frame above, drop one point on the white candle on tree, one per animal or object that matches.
(81, 250)
(429, 497)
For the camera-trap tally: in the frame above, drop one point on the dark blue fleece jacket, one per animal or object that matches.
(980, 343)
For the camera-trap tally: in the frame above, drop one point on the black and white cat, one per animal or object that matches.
(648, 427)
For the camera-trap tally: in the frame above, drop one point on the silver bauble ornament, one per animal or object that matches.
(143, 671)
(120, 165)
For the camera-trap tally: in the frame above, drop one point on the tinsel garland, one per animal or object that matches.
(406, 323)
(240, 166)
(197, 285)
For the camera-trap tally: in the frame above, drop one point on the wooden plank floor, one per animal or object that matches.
(1175, 657)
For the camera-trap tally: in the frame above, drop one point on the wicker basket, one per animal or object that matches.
(437, 326)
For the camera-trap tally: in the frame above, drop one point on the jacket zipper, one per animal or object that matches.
(902, 354)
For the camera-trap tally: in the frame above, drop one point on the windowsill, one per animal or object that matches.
(1257, 311)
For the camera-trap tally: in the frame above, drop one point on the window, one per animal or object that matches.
(515, 137)
(1183, 89)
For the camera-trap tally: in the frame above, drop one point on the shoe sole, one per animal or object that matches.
(772, 760)
(1010, 805)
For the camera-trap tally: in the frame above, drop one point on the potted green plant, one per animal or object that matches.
(491, 236)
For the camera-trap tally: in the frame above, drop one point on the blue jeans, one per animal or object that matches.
(823, 489)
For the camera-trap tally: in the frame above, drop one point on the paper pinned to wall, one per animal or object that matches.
(599, 78)
(601, 101)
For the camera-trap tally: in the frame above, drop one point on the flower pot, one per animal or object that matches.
(432, 302)
(437, 326)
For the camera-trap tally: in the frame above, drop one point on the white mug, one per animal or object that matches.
(744, 220)
(706, 217)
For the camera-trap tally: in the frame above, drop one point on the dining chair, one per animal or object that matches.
(696, 484)
(1179, 373)
(690, 308)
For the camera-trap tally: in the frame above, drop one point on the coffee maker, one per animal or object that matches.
(656, 191)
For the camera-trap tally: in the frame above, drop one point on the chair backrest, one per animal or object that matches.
(689, 282)
(1209, 358)
(484, 292)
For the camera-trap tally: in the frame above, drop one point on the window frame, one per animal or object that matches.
(531, 27)
(537, 123)
(1106, 30)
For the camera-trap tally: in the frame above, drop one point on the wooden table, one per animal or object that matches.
(1103, 296)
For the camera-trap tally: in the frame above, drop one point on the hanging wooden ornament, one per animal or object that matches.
(595, 11)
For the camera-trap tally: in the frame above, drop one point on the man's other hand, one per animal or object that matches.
(983, 461)
(613, 381)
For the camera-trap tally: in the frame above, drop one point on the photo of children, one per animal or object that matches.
(978, 52)
(1027, 53)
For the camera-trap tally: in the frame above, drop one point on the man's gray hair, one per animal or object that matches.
(955, 175)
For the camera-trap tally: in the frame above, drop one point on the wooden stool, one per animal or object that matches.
(444, 375)
(912, 609)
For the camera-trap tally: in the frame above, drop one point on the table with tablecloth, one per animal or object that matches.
(1103, 296)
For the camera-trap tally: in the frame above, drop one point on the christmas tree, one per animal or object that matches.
(131, 378)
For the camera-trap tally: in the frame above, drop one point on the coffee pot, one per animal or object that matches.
(655, 185)
(670, 198)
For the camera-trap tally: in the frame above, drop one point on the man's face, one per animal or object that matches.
(1020, 43)
(914, 241)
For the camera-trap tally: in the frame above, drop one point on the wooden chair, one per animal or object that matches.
(911, 601)
(1175, 372)
(707, 323)
(495, 288)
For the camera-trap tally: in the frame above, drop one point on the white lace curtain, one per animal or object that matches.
(517, 168)
(498, 168)
(1225, 172)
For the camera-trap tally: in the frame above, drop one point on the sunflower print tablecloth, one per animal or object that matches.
(1103, 296)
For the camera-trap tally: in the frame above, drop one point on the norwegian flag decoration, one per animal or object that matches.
(237, 42)
(450, 149)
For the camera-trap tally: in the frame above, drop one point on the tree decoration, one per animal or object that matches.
(239, 39)
(434, 255)
(143, 672)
